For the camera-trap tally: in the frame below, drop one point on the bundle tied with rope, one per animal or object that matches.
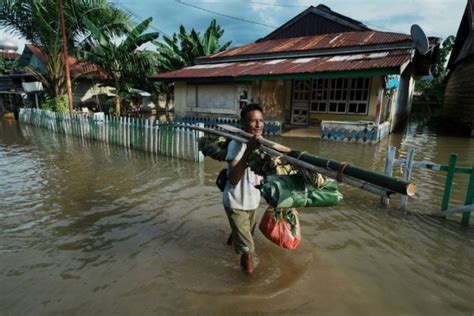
(284, 187)
(213, 146)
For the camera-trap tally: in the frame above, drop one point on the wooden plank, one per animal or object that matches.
(449, 182)
(407, 174)
(389, 169)
(466, 216)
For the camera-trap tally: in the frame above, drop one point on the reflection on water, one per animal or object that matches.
(87, 228)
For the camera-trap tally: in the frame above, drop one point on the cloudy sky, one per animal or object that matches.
(248, 20)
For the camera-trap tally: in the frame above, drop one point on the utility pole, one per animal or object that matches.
(65, 56)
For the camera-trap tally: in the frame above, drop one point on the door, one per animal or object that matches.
(300, 102)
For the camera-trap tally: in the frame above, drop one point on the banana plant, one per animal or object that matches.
(182, 48)
(37, 22)
(120, 60)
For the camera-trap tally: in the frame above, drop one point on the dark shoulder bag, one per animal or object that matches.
(222, 179)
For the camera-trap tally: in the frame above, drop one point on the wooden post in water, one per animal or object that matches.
(176, 137)
(157, 125)
(172, 140)
(167, 138)
(449, 181)
(181, 135)
(466, 216)
(389, 169)
(200, 156)
(152, 134)
(407, 174)
(188, 137)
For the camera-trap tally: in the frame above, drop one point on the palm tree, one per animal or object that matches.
(122, 62)
(37, 22)
(181, 49)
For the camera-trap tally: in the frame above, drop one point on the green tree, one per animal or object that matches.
(182, 48)
(7, 65)
(431, 90)
(121, 60)
(37, 21)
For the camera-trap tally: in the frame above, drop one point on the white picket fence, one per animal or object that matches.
(162, 138)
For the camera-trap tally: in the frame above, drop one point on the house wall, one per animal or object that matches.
(274, 96)
(458, 104)
(401, 106)
(180, 98)
(212, 99)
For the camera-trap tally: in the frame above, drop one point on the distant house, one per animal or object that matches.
(458, 104)
(320, 69)
(87, 79)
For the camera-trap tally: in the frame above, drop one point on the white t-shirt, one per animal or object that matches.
(243, 195)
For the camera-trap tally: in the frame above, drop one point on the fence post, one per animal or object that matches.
(200, 156)
(188, 141)
(389, 168)
(181, 132)
(407, 174)
(449, 181)
(466, 216)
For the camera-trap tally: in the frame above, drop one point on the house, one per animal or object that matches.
(86, 79)
(458, 106)
(320, 69)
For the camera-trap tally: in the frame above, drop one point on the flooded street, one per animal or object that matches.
(87, 228)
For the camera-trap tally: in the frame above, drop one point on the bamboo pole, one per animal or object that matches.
(364, 178)
(384, 193)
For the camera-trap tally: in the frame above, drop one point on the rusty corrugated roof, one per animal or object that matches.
(78, 67)
(9, 55)
(286, 66)
(326, 41)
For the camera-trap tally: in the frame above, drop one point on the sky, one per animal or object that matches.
(246, 21)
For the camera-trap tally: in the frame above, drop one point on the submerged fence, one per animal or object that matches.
(451, 169)
(153, 136)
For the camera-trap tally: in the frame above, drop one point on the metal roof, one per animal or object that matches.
(289, 66)
(312, 43)
(78, 67)
(314, 21)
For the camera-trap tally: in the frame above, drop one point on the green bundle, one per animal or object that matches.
(214, 147)
(286, 191)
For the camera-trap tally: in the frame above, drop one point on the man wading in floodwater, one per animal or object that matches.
(240, 197)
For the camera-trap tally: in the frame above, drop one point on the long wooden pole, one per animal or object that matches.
(66, 56)
(384, 193)
(342, 168)
(332, 174)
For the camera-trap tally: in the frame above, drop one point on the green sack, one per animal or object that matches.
(292, 191)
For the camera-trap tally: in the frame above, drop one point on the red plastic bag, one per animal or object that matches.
(282, 227)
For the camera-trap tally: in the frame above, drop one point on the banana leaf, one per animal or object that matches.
(292, 191)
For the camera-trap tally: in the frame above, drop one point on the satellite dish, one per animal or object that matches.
(420, 41)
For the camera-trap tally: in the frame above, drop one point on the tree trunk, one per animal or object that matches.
(167, 100)
(118, 101)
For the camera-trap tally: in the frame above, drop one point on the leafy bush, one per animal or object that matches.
(61, 104)
(57, 104)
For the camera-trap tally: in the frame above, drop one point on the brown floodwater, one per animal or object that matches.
(88, 229)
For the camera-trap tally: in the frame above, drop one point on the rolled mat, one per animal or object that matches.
(292, 191)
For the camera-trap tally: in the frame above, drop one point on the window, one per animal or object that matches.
(301, 91)
(337, 95)
(358, 96)
(319, 95)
